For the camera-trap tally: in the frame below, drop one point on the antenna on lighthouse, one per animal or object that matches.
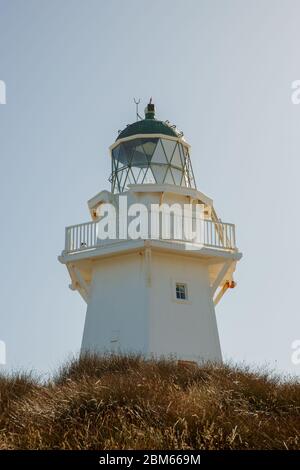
(137, 102)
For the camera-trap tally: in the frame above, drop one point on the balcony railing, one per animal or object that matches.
(219, 235)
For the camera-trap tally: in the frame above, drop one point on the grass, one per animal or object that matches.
(116, 402)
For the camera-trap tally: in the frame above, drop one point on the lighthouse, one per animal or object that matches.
(150, 287)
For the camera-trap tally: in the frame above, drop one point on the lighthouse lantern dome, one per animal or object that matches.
(150, 151)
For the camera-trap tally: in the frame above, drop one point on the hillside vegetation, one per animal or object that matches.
(127, 402)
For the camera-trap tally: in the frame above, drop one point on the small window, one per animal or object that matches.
(181, 291)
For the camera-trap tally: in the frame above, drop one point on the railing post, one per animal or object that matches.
(233, 235)
(67, 239)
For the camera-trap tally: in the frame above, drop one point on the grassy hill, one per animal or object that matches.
(129, 403)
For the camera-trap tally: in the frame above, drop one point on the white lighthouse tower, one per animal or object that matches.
(154, 293)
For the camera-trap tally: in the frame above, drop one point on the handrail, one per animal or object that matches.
(84, 236)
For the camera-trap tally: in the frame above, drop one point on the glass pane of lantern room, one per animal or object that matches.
(116, 152)
(177, 175)
(141, 175)
(169, 177)
(122, 157)
(159, 172)
(129, 149)
(149, 147)
(136, 172)
(115, 157)
(122, 178)
(176, 160)
(149, 178)
(169, 146)
(130, 177)
(159, 155)
(139, 158)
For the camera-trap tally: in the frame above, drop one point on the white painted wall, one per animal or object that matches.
(185, 329)
(118, 306)
(126, 314)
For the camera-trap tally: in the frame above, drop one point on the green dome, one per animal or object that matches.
(147, 126)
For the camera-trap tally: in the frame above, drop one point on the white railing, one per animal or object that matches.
(81, 237)
(219, 235)
(213, 234)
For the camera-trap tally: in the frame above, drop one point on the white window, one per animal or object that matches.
(181, 291)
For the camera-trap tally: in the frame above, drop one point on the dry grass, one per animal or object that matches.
(129, 403)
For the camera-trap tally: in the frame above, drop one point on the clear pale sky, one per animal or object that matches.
(222, 72)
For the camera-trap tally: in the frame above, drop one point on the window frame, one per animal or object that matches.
(187, 284)
(181, 291)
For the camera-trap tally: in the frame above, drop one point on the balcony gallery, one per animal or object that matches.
(175, 222)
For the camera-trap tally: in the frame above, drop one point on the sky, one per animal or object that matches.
(222, 72)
